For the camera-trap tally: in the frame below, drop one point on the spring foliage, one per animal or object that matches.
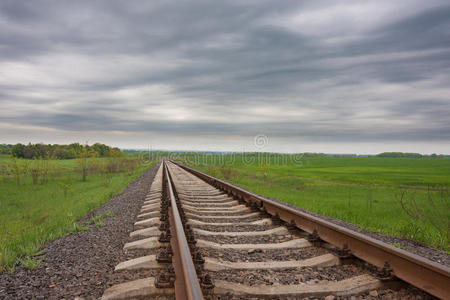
(55, 151)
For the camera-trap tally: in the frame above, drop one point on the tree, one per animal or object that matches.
(5, 148)
(83, 156)
(101, 149)
(17, 150)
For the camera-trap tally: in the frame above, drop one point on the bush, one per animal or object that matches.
(435, 211)
(228, 172)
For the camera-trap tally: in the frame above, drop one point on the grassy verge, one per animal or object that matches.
(361, 191)
(33, 214)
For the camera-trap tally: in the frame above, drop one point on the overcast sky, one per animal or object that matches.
(322, 76)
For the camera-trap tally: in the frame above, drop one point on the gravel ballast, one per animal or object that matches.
(288, 276)
(255, 255)
(82, 264)
(260, 239)
(235, 228)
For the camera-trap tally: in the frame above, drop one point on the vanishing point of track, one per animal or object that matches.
(211, 239)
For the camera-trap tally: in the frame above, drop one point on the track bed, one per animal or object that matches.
(238, 251)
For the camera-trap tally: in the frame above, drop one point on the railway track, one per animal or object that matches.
(200, 237)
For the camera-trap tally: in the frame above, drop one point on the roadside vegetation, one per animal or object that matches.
(398, 196)
(42, 198)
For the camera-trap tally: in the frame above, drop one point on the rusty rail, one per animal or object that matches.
(186, 281)
(416, 270)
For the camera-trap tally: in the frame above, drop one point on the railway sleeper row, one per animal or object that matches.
(267, 277)
(239, 251)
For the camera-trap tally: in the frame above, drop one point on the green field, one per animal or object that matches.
(32, 214)
(364, 191)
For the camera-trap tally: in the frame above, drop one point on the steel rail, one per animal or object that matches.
(187, 285)
(416, 270)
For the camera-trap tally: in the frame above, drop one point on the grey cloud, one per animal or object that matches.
(227, 57)
(325, 131)
(425, 30)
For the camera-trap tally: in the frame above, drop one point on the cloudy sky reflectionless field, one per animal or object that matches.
(321, 76)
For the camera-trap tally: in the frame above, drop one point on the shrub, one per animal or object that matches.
(435, 211)
(228, 172)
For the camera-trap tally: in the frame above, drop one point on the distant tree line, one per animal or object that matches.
(409, 155)
(6, 148)
(57, 151)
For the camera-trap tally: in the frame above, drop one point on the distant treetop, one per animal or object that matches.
(407, 155)
(55, 151)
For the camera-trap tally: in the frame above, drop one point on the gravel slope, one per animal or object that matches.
(81, 264)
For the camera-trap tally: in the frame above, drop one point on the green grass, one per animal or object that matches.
(31, 263)
(98, 220)
(364, 191)
(33, 214)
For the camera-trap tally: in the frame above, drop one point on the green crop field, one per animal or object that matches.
(365, 191)
(32, 213)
